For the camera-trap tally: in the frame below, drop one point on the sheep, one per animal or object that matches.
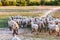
(59, 23)
(25, 22)
(10, 25)
(10, 18)
(14, 26)
(18, 21)
(51, 26)
(34, 27)
(41, 25)
(16, 17)
(57, 30)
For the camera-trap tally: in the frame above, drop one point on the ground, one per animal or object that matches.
(25, 34)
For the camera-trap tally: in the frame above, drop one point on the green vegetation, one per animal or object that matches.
(29, 2)
(3, 22)
(4, 17)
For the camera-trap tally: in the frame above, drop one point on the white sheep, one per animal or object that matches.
(57, 29)
(14, 26)
(12, 23)
(34, 26)
(52, 26)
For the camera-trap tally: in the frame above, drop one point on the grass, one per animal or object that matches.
(35, 0)
(56, 14)
(4, 17)
(3, 21)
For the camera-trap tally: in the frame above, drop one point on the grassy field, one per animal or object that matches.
(42, 36)
(4, 17)
(57, 14)
(3, 22)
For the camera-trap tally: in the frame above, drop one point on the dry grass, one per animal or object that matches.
(4, 16)
(35, 0)
(28, 7)
(19, 13)
(56, 14)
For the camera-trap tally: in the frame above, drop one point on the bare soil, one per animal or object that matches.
(25, 34)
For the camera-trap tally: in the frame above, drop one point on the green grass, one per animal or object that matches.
(4, 18)
(3, 22)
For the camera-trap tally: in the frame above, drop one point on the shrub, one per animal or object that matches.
(0, 4)
(21, 3)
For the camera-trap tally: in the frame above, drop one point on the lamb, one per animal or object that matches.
(14, 26)
(34, 27)
(53, 28)
(57, 30)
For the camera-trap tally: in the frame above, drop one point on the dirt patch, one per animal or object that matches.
(25, 34)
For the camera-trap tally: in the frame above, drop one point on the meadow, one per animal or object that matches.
(4, 17)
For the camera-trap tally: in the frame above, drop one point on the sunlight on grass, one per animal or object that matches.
(35, 0)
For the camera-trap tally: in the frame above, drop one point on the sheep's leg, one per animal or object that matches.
(57, 33)
(44, 28)
(25, 25)
(32, 30)
(17, 32)
(49, 32)
(39, 29)
(14, 32)
(47, 28)
(19, 26)
(53, 31)
(10, 28)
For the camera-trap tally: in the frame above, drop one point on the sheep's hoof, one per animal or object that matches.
(49, 33)
(57, 34)
(36, 33)
(17, 34)
(32, 32)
